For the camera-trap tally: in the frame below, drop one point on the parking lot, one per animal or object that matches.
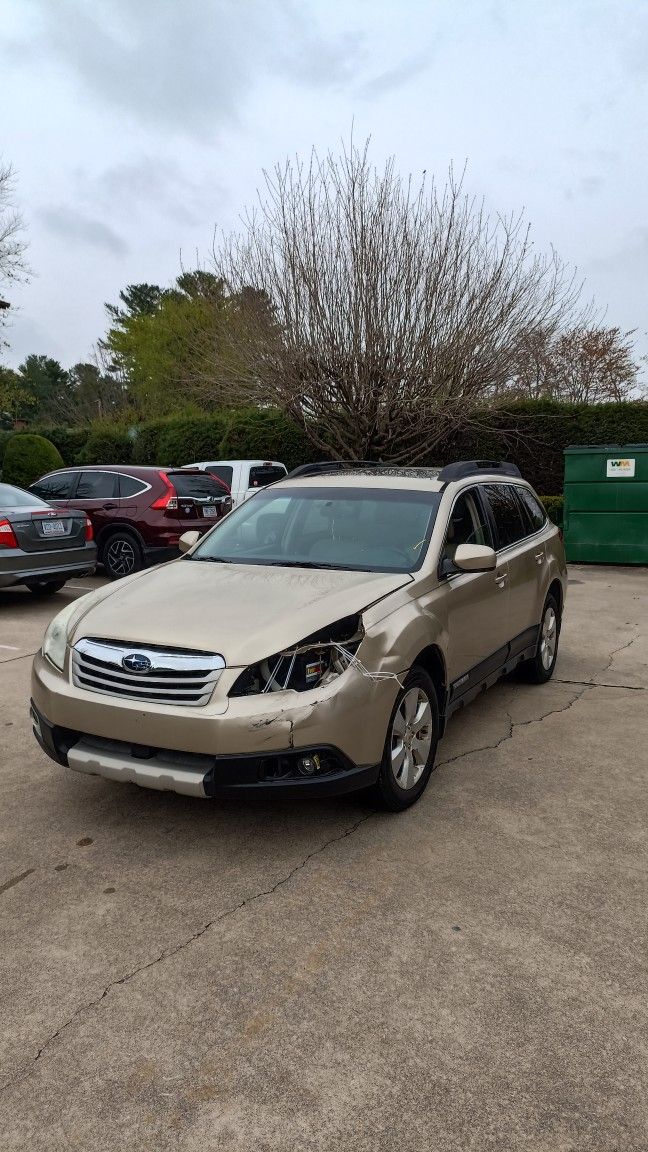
(470, 974)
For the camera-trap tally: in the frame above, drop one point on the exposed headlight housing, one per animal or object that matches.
(314, 661)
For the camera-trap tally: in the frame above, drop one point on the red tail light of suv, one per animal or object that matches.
(138, 514)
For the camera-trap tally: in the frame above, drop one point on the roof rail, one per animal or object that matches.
(334, 466)
(462, 468)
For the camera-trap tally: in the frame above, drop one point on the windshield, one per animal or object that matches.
(11, 497)
(364, 529)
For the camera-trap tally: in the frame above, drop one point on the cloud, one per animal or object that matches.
(188, 65)
(150, 184)
(73, 225)
(396, 77)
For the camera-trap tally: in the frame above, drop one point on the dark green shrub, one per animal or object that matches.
(146, 443)
(69, 441)
(5, 437)
(106, 446)
(533, 434)
(193, 438)
(554, 508)
(27, 457)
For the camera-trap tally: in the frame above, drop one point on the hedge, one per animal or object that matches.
(27, 457)
(69, 441)
(106, 446)
(532, 434)
(5, 437)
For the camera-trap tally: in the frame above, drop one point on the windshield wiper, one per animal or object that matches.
(210, 559)
(312, 564)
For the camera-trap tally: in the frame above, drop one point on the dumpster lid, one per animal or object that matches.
(613, 448)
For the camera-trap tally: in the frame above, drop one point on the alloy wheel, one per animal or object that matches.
(548, 637)
(121, 557)
(411, 738)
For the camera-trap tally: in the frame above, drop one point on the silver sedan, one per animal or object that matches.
(42, 546)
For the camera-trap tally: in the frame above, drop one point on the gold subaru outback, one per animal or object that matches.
(316, 641)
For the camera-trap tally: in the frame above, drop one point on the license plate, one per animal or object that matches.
(53, 528)
(210, 510)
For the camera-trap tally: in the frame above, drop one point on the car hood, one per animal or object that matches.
(245, 612)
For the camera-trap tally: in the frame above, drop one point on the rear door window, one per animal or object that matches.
(262, 475)
(59, 486)
(97, 486)
(533, 509)
(510, 522)
(196, 485)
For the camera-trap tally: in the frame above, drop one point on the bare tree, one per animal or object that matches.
(584, 365)
(396, 306)
(12, 247)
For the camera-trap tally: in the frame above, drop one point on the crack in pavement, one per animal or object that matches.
(598, 684)
(167, 953)
(12, 659)
(586, 686)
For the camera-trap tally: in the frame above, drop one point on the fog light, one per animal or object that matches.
(308, 765)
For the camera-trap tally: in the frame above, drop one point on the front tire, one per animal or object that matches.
(540, 667)
(121, 555)
(411, 744)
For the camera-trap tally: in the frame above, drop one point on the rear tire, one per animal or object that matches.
(411, 744)
(540, 667)
(46, 587)
(121, 555)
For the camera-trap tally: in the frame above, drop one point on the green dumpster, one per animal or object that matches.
(606, 503)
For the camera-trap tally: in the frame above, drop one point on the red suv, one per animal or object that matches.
(138, 514)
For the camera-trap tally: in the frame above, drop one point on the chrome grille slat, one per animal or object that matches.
(104, 671)
(177, 676)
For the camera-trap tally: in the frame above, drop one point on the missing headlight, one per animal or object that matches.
(315, 660)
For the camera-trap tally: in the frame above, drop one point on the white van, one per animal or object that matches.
(243, 477)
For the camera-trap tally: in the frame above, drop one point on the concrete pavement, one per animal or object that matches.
(270, 976)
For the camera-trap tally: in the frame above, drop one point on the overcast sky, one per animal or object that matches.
(136, 126)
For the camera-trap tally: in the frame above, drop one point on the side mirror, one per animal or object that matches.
(474, 558)
(187, 541)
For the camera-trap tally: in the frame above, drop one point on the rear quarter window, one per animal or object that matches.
(131, 486)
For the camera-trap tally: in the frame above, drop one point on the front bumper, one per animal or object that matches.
(231, 744)
(195, 774)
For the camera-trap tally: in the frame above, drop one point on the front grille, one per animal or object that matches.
(175, 676)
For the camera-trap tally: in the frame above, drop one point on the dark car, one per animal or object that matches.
(138, 514)
(41, 546)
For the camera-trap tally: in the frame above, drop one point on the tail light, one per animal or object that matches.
(89, 532)
(168, 502)
(7, 535)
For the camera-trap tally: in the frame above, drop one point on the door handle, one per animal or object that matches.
(539, 557)
(107, 507)
(501, 578)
